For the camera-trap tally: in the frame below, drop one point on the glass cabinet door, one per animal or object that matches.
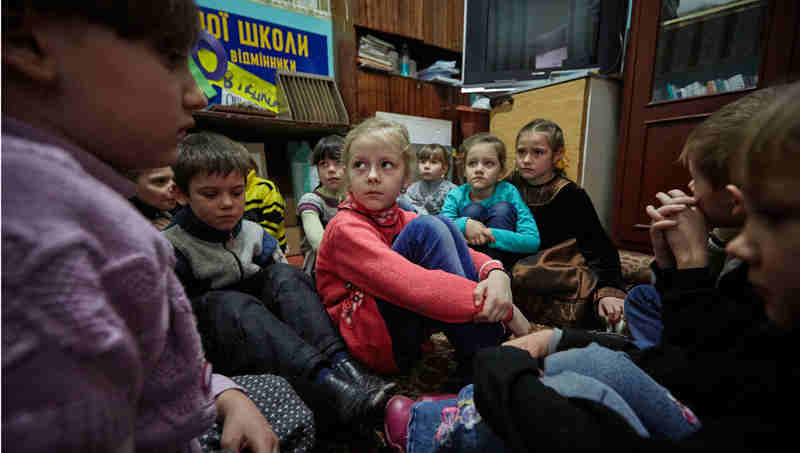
(706, 47)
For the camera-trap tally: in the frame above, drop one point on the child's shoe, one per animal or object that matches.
(350, 370)
(351, 402)
(395, 422)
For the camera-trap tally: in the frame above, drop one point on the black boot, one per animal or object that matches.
(350, 401)
(351, 370)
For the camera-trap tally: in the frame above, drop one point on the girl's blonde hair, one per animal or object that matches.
(485, 137)
(386, 131)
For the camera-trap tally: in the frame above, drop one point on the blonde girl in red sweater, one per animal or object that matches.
(388, 276)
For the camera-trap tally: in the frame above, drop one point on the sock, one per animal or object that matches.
(339, 356)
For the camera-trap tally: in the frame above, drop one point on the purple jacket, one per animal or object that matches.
(99, 342)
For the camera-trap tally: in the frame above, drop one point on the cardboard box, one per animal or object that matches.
(293, 235)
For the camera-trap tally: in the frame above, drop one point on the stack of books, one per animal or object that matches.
(735, 82)
(376, 53)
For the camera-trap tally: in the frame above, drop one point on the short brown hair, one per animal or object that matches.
(209, 153)
(170, 26)
(485, 137)
(435, 151)
(711, 145)
(767, 142)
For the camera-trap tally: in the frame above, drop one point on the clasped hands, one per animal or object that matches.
(678, 231)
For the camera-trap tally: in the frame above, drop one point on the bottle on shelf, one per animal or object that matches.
(404, 62)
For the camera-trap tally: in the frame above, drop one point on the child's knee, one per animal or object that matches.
(475, 211)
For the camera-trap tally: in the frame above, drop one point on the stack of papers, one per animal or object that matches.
(376, 53)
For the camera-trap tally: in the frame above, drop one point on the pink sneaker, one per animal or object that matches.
(395, 422)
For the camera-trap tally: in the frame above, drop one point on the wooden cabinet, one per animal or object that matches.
(443, 24)
(435, 22)
(400, 17)
(379, 92)
(433, 31)
(679, 69)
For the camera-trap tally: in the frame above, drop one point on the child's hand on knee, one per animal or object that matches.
(494, 293)
(476, 233)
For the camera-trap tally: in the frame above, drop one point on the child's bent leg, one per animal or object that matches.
(643, 315)
(241, 336)
(475, 211)
(450, 425)
(297, 303)
(502, 216)
(434, 242)
(662, 415)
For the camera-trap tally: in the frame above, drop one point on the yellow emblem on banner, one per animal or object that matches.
(242, 84)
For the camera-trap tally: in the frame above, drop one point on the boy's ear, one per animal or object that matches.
(25, 48)
(737, 200)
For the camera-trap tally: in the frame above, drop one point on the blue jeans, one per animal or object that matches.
(435, 242)
(593, 373)
(660, 413)
(643, 314)
(501, 215)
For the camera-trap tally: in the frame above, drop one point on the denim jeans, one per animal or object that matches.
(502, 216)
(643, 315)
(435, 242)
(273, 323)
(593, 373)
(455, 425)
(662, 415)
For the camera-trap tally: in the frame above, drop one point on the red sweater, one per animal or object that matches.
(356, 264)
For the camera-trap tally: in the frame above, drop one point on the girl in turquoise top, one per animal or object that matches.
(490, 212)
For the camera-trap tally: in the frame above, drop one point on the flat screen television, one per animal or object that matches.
(509, 42)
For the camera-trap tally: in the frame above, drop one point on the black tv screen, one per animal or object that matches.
(512, 41)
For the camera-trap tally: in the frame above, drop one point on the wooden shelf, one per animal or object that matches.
(246, 127)
(730, 8)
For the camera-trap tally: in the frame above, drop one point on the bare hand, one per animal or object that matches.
(611, 309)
(537, 343)
(243, 425)
(476, 233)
(494, 293)
(519, 324)
(658, 224)
(688, 239)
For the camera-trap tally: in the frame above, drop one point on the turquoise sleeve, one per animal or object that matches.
(452, 207)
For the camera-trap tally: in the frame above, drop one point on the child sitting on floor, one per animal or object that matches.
(155, 194)
(317, 208)
(708, 153)
(564, 212)
(387, 275)
(428, 193)
(254, 311)
(100, 349)
(264, 205)
(490, 212)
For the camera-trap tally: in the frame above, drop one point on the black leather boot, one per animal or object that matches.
(351, 370)
(349, 401)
